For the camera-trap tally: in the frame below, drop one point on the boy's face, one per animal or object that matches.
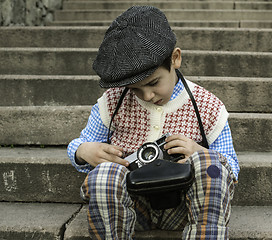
(158, 87)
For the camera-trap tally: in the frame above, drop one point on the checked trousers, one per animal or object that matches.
(203, 214)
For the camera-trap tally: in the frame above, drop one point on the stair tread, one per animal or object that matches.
(77, 61)
(197, 23)
(245, 223)
(166, 0)
(66, 90)
(70, 220)
(172, 14)
(96, 77)
(58, 155)
(72, 49)
(51, 171)
(215, 39)
(58, 125)
(165, 4)
(35, 220)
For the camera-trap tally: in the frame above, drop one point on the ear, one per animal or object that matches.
(176, 58)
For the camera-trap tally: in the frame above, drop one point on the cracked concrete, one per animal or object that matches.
(35, 220)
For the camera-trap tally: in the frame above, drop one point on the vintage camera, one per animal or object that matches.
(151, 151)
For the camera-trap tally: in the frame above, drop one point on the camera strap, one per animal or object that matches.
(204, 139)
(116, 110)
(180, 76)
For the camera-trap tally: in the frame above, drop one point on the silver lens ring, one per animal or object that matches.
(147, 153)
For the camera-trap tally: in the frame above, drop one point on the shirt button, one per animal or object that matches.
(159, 109)
(156, 127)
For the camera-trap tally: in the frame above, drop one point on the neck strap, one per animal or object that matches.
(116, 110)
(204, 142)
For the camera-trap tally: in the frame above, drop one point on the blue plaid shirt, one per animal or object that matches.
(96, 131)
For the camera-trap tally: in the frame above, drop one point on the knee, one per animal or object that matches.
(111, 168)
(207, 163)
(107, 174)
(103, 177)
(210, 172)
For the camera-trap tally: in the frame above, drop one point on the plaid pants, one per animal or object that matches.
(203, 214)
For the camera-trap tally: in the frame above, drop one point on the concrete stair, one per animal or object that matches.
(190, 38)
(47, 88)
(76, 61)
(180, 13)
(172, 14)
(227, 5)
(68, 222)
(50, 170)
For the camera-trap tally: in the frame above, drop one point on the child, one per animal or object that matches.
(139, 52)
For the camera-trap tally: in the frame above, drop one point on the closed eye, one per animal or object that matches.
(150, 84)
(153, 83)
(134, 89)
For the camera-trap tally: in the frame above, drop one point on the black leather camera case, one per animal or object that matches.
(161, 181)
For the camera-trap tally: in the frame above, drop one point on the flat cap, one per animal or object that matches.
(135, 45)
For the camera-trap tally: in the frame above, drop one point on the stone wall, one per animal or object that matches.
(28, 12)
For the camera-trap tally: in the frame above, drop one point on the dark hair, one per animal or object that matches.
(167, 62)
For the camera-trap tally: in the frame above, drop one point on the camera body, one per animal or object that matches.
(151, 151)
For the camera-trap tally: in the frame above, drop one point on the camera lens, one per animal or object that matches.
(148, 153)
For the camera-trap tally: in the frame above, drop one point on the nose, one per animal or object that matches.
(148, 95)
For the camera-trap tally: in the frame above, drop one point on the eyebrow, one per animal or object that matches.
(152, 80)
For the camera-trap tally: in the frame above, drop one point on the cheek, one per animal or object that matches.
(165, 91)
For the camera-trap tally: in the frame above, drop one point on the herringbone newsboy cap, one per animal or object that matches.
(135, 45)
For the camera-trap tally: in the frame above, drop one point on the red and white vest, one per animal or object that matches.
(138, 121)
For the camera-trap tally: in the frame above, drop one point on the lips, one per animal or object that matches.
(159, 102)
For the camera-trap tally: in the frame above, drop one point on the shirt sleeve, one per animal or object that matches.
(224, 145)
(95, 131)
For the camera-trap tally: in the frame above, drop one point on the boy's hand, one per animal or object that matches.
(95, 153)
(182, 145)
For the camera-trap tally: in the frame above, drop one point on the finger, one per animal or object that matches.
(107, 157)
(116, 159)
(184, 160)
(111, 158)
(176, 150)
(175, 137)
(117, 147)
(114, 150)
(113, 154)
(174, 143)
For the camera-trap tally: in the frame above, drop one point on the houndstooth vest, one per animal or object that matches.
(138, 121)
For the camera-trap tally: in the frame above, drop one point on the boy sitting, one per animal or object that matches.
(138, 52)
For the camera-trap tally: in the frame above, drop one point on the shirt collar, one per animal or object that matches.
(177, 89)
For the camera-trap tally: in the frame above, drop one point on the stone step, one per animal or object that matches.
(171, 14)
(78, 61)
(238, 94)
(253, 1)
(167, 5)
(58, 125)
(35, 220)
(69, 222)
(245, 223)
(33, 174)
(183, 23)
(215, 39)
(55, 90)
